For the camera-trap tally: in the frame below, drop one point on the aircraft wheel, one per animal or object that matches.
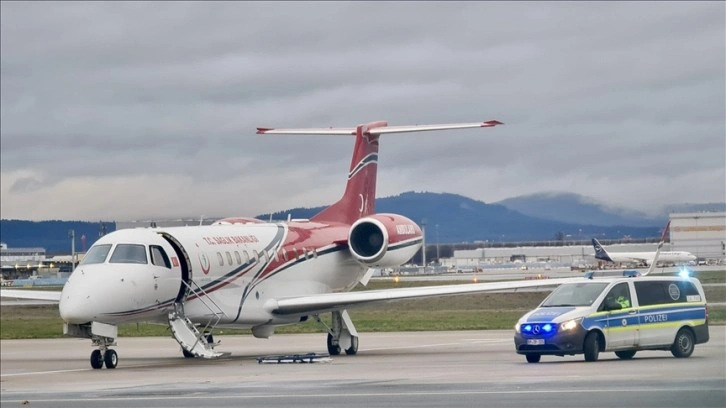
(333, 350)
(110, 358)
(533, 357)
(187, 354)
(353, 349)
(592, 346)
(96, 359)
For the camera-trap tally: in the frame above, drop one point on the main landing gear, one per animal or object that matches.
(342, 335)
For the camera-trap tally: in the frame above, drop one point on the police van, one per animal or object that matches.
(624, 314)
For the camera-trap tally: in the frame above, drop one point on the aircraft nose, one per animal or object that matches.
(75, 309)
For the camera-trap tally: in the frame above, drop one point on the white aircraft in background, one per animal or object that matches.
(674, 257)
(246, 273)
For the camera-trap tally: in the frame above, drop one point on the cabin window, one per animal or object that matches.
(129, 253)
(247, 256)
(158, 256)
(96, 255)
(237, 257)
(315, 253)
(229, 258)
(220, 259)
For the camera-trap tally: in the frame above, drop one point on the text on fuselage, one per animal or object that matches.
(405, 229)
(234, 239)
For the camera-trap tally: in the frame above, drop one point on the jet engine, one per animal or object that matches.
(384, 240)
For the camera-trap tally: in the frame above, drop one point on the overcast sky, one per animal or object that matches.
(121, 111)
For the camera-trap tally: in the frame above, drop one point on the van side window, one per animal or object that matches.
(620, 294)
(158, 256)
(660, 292)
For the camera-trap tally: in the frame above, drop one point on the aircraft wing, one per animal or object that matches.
(49, 295)
(336, 301)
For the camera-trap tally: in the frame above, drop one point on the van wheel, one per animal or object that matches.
(684, 344)
(625, 355)
(591, 346)
(533, 357)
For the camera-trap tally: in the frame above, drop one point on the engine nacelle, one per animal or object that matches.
(384, 240)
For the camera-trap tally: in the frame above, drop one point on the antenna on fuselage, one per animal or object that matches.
(289, 217)
(201, 220)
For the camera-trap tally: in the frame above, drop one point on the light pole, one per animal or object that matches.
(438, 256)
(72, 236)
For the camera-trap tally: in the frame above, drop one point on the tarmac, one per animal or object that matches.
(416, 369)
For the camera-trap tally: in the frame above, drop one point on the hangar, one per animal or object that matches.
(703, 234)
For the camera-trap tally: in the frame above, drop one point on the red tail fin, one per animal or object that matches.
(359, 199)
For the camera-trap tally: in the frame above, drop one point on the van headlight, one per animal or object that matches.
(516, 327)
(570, 324)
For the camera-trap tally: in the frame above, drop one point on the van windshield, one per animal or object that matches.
(575, 294)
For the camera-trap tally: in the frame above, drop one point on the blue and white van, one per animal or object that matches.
(623, 314)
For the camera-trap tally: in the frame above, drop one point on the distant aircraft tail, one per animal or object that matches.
(359, 198)
(600, 252)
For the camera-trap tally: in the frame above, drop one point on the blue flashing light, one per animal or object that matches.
(589, 275)
(684, 272)
(539, 329)
(631, 273)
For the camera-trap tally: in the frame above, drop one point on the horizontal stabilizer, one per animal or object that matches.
(53, 296)
(377, 130)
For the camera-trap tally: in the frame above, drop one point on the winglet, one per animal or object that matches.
(665, 232)
(491, 123)
(262, 131)
(657, 251)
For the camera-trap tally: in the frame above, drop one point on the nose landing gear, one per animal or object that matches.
(103, 355)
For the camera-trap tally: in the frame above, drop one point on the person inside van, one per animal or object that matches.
(620, 294)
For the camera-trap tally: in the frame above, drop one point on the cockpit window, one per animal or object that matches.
(97, 254)
(129, 253)
(575, 294)
(158, 256)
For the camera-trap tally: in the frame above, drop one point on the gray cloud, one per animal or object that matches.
(130, 110)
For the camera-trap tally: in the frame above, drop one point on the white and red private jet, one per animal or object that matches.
(246, 273)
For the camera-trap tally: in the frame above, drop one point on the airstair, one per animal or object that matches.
(194, 342)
